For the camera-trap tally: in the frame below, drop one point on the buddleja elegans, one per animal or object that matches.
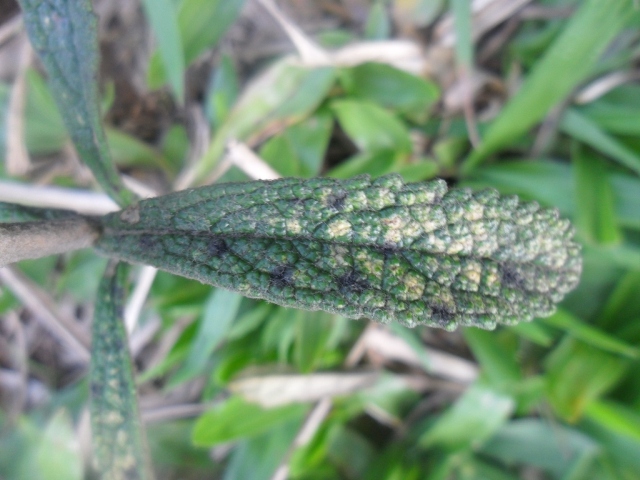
(416, 253)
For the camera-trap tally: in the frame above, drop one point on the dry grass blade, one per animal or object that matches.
(440, 363)
(81, 201)
(276, 390)
(18, 162)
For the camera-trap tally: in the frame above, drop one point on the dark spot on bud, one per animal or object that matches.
(131, 474)
(336, 200)
(388, 251)
(147, 241)
(441, 314)
(511, 277)
(281, 276)
(352, 282)
(96, 390)
(216, 247)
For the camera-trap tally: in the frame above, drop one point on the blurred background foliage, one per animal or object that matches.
(535, 98)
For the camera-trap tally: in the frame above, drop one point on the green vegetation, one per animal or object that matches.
(237, 388)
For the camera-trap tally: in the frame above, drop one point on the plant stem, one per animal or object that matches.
(25, 240)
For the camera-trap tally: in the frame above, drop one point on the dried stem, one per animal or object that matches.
(26, 240)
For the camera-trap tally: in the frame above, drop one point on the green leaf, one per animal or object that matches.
(577, 374)
(499, 365)
(614, 118)
(258, 457)
(223, 91)
(567, 62)
(622, 305)
(58, 454)
(472, 419)
(462, 24)
(595, 217)
(162, 17)
(119, 443)
(12, 212)
(371, 162)
(414, 253)
(391, 88)
(237, 419)
(377, 26)
(350, 451)
(590, 335)
(282, 95)
(552, 183)
(312, 332)
(219, 312)
(201, 23)
(536, 442)
(65, 37)
(371, 127)
(581, 128)
(616, 417)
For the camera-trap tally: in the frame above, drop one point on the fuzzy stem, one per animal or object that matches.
(25, 240)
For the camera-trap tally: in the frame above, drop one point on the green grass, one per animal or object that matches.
(559, 397)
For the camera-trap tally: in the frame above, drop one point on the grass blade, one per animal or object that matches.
(583, 129)
(162, 17)
(568, 61)
(119, 442)
(64, 33)
(595, 215)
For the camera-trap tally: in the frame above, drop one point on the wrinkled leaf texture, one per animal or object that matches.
(414, 253)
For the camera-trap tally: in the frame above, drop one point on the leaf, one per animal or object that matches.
(581, 128)
(577, 374)
(566, 63)
(595, 216)
(413, 253)
(65, 37)
(462, 21)
(237, 419)
(498, 364)
(471, 420)
(390, 88)
(12, 212)
(591, 335)
(532, 441)
(162, 17)
(119, 444)
(617, 417)
(58, 454)
(282, 95)
(223, 91)
(219, 312)
(552, 183)
(371, 127)
(202, 23)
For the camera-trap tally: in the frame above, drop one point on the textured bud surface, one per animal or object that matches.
(416, 253)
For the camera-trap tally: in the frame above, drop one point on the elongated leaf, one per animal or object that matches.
(472, 419)
(237, 418)
(220, 310)
(571, 57)
(118, 438)
(283, 94)
(595, 216)
(201, 23)
(580, 127)
(64, 35)
(11, 212)
(162, 17)
(414, 253)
